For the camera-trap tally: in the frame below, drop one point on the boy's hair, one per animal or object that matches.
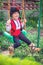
(13, 10)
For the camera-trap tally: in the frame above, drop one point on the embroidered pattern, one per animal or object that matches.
(18, 26)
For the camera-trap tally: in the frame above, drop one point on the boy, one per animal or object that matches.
(15, 25)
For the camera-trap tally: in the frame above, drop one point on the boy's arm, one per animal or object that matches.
(23, 23)
(8, 25)
(9, 21)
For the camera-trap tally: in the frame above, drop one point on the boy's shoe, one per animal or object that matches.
(33, 47)
(11, 50)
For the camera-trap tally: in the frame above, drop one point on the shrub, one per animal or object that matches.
(2, 16)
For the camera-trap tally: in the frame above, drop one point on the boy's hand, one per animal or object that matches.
(8, 21)
(25, 20)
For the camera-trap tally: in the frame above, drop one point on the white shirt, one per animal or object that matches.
(17, 23)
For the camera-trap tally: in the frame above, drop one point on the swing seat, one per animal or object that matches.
(10, 38)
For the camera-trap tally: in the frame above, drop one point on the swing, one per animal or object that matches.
(10, 38)
(23, 17)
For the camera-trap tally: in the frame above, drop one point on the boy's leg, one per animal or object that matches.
(24, 38)
(16, 42)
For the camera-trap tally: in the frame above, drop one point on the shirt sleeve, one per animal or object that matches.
(8, 27)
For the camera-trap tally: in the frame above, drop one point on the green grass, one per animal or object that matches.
(5, 60)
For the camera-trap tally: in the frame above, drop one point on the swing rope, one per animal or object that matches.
(23, 13)
(8, 9)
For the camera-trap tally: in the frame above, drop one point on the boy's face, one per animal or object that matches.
(15, 15)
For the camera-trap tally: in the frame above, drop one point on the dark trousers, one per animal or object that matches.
(20, 37)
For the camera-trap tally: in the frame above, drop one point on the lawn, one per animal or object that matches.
(5, 60)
